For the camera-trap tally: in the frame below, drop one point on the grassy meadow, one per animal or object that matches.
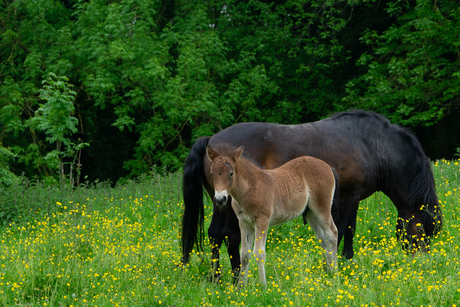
(103, 246)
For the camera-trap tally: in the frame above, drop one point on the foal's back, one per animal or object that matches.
(316, 174)
(298, 183)
(314, 171)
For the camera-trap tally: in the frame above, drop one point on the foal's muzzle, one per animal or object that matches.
(220, 199)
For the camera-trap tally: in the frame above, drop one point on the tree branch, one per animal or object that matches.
(23, 47)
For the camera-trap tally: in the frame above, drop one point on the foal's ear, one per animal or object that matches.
(211, 153)
(237, 153)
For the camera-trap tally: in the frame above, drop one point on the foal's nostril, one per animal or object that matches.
(220, 200)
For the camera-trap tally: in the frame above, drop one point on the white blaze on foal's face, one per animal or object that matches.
(222, 174)
(222, 170)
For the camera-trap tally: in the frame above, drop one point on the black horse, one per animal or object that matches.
(368, 153)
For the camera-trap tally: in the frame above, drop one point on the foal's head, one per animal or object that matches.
(222, 171)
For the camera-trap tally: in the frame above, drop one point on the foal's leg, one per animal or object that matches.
(247, 242)
(326, 232)
(259, 246)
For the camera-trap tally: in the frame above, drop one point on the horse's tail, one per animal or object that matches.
(422, 190)
(192, 191)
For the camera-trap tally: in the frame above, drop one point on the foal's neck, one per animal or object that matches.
(247, 174)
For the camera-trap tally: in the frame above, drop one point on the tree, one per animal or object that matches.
(168, 85)
(413, 67)
(35, 39)
(150, 77)
(54, 117)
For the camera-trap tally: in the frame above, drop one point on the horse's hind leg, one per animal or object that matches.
(349, 235)
(326, 232)
(345, 221)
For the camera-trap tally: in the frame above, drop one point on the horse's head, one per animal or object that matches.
(417, 231)
(222, 171)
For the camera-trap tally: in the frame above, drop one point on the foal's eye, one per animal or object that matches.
(211, 174)
(231, 173)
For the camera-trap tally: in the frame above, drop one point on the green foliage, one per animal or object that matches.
(169, 72)
(210, 66)
(35, 41)
(150, 77)
(54, 117)
(6, 176)
(295, 44)
(169, 91)
(412, 74)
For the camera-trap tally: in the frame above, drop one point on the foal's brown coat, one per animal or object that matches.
(263, 198)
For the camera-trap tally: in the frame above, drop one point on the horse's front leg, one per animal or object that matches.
(233, 235)
(259, 246)
(247, 242)
(216, 238)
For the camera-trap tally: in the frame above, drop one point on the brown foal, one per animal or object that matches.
(263, 198)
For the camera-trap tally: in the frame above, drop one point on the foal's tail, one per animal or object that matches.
(335, 199)
(192, 191)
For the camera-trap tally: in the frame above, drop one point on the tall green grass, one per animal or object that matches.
(103, 246)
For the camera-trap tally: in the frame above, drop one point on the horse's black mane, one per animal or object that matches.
(423, 186)
(360, 113)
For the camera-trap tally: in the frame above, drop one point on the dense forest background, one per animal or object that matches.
(110, 89)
